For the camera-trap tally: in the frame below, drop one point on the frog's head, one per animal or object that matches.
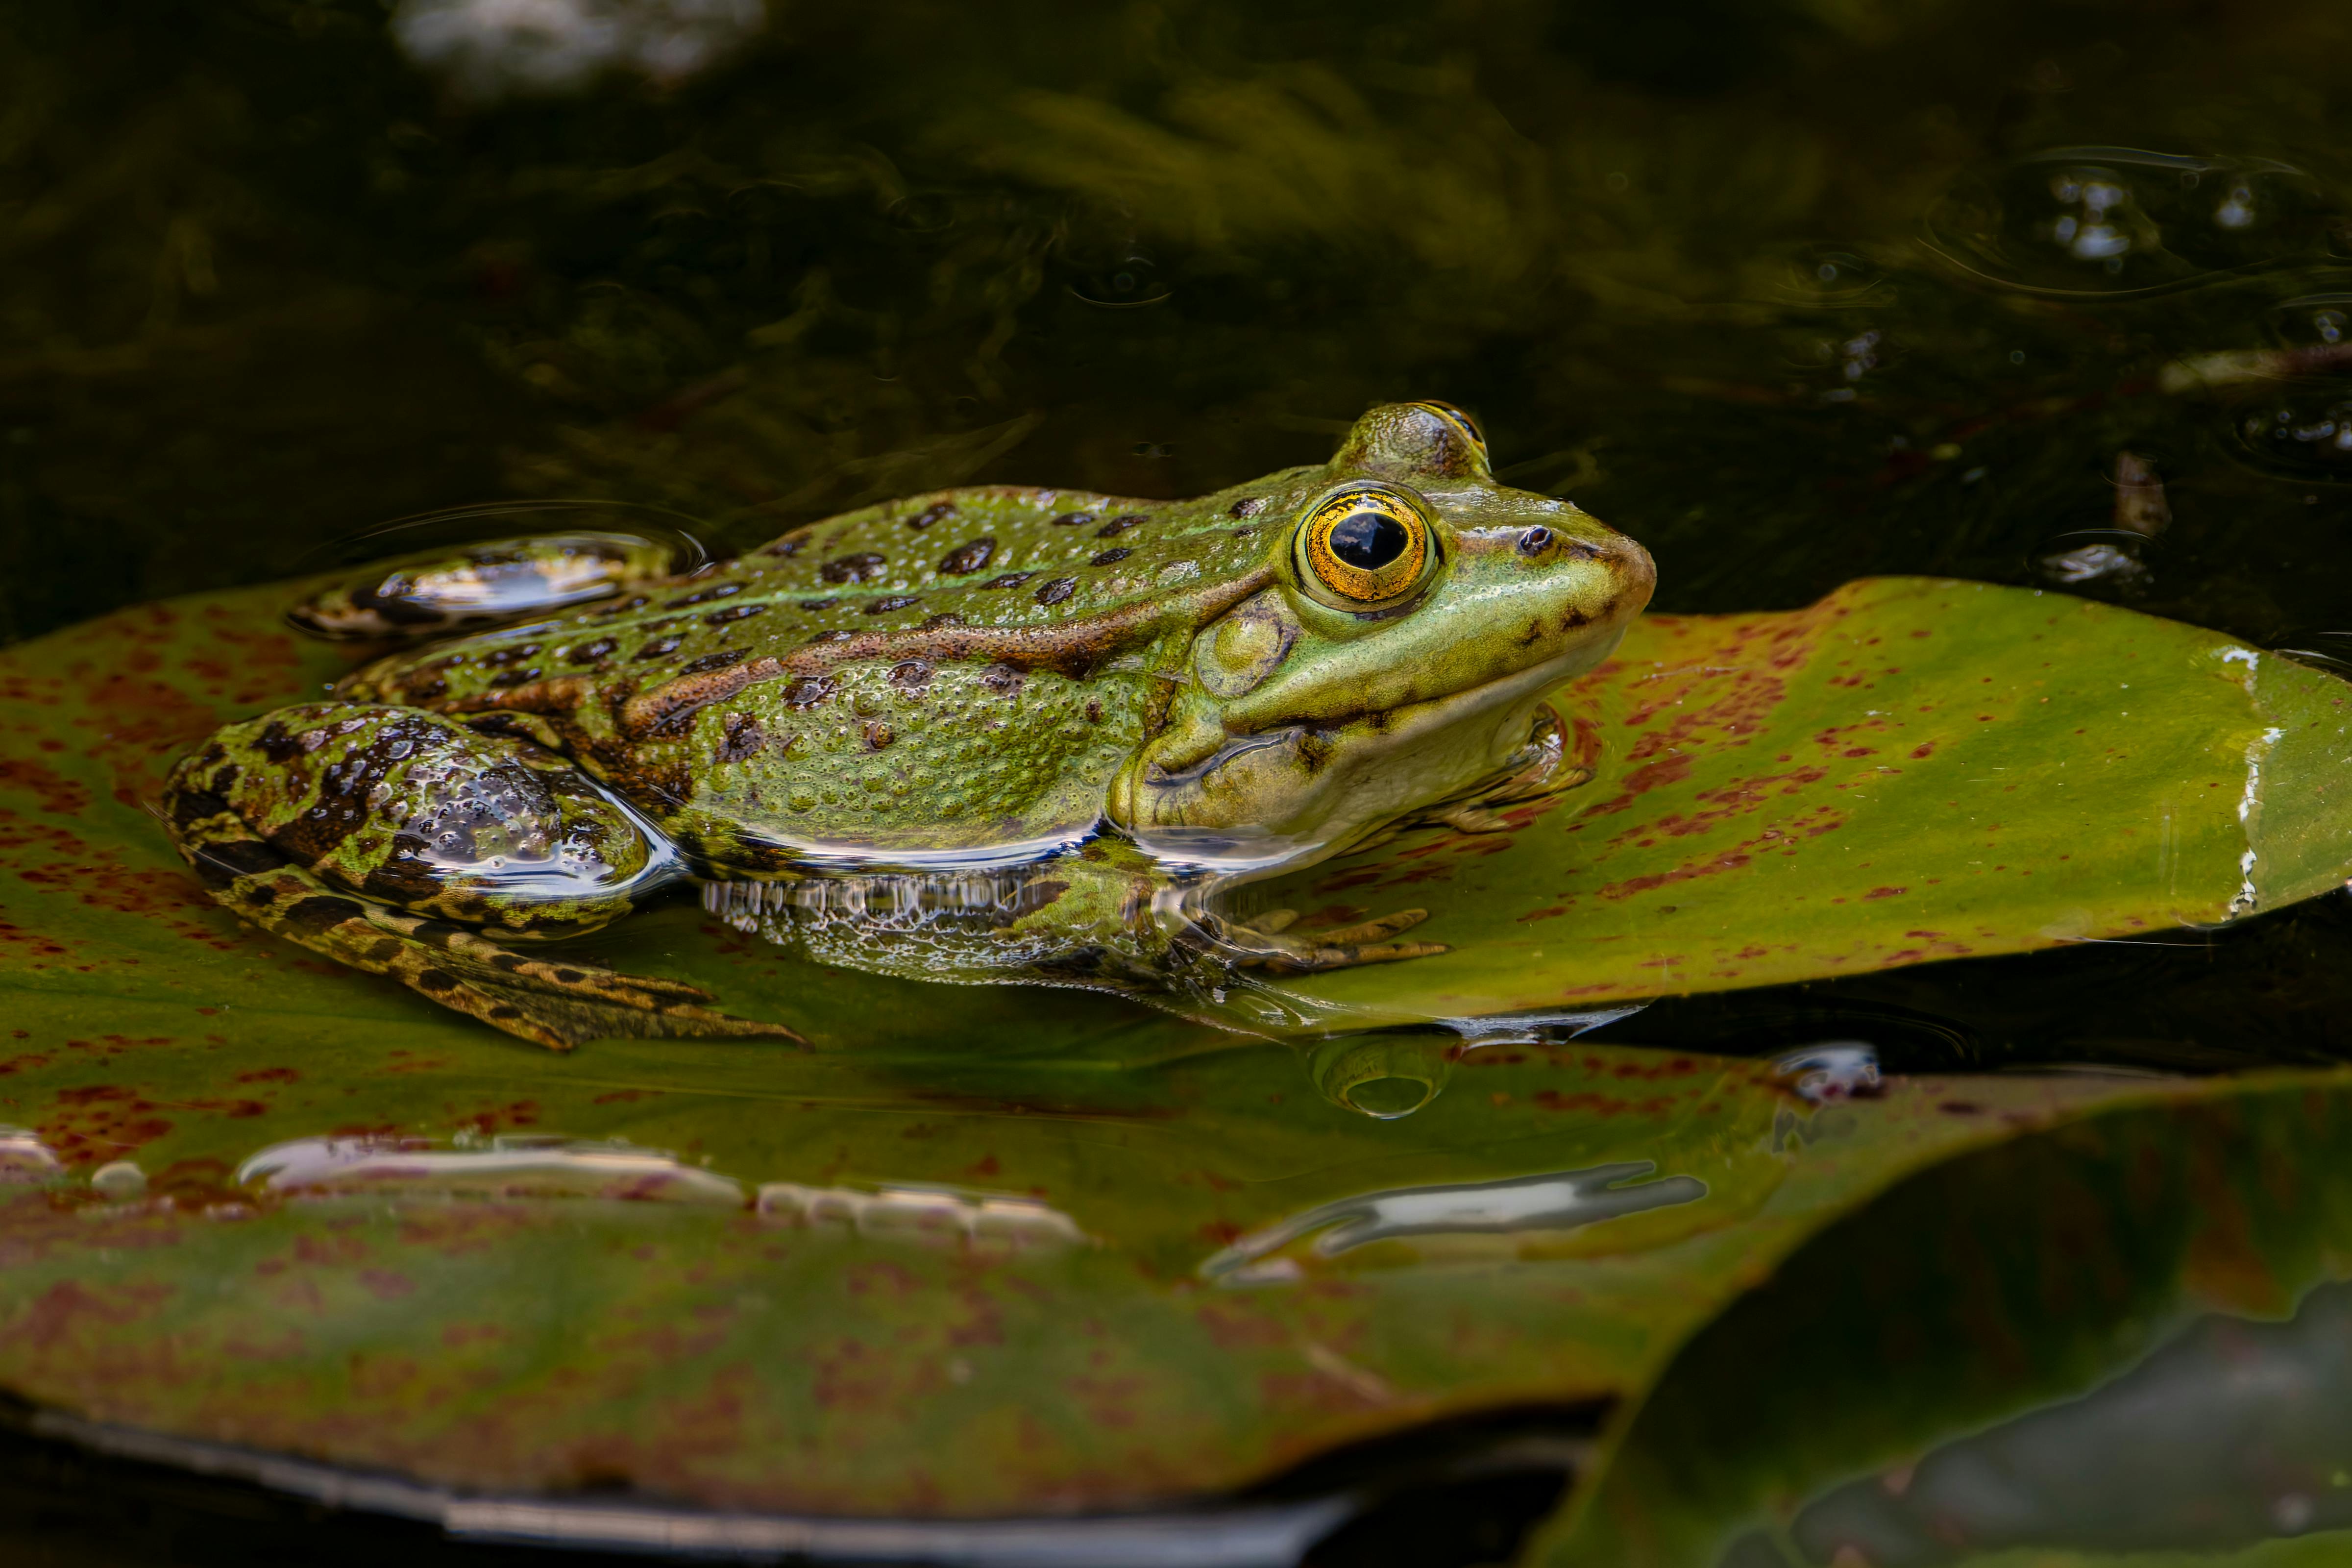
(1419, 613)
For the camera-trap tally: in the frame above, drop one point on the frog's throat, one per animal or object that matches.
(1074, 648)
(1296, 795)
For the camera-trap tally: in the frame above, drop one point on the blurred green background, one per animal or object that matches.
(265, 281)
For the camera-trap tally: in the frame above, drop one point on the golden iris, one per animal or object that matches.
(1367, 544)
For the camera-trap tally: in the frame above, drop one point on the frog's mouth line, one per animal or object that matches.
(1396, 724)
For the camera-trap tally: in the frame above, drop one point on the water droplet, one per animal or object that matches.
(1833, 1070)
(119, 1181)
(1384, 1075)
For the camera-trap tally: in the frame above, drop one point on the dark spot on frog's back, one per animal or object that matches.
(1248, 506)
(590, 652)
(189, 806)
(733, 612)
(1009, 580)
(320, 913)
(744, 739)
(1109, 556)
(790, 543)
(968, 557)
(716, 591)
(932, 514)
(276, 744)
(1005, 680)
(1121, 524)
(657, 647)
(1535, 540)
(912, 675)
(710, 661)
(894, 602)
(1059, 589)
(808, 691)
(862, 567)
(1074, 520)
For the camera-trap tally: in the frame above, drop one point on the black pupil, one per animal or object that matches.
(1368, 540)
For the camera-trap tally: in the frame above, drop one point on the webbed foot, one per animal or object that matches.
(1266, 943)
(554, 1002)
(367, 834)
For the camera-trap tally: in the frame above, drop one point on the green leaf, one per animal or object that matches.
(1911, 770)
(1914, 1334)
(1000, 1250)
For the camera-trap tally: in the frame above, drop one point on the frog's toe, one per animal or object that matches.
(1274, 922)
(546, 1001)
(1468, 818)
(1374, 931)
(1348, 946)
(561, 1005)
(1336, 956)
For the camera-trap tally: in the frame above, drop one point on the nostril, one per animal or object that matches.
(1535, 540)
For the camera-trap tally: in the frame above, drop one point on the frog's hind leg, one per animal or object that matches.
(289, 822)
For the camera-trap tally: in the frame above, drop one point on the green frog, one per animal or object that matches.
(981, 734)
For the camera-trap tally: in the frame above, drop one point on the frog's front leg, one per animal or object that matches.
(379, 836)
(1180, 934)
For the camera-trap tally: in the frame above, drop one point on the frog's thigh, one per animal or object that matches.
(364, 833)
(411, 810)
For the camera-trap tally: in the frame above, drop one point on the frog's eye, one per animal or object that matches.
(1461, 421)
(1364, 546)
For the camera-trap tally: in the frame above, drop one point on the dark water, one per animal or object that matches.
(1793, 292)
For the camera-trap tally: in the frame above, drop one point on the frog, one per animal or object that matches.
(980, 734)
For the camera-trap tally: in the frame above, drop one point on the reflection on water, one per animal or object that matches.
(2123, 220)
(489, 47)
(503, 1167)
(25, 1158)
(1833, 1069)
(924, 1213)
(1561, 1200)
(2233, 1434)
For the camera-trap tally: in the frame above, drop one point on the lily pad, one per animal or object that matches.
(2075, 1341)
(971, 1251)
(1912, 769)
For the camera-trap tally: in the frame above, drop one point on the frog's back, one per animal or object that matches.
(957, 674)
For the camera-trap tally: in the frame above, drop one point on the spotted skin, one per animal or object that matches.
(1095, 699)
